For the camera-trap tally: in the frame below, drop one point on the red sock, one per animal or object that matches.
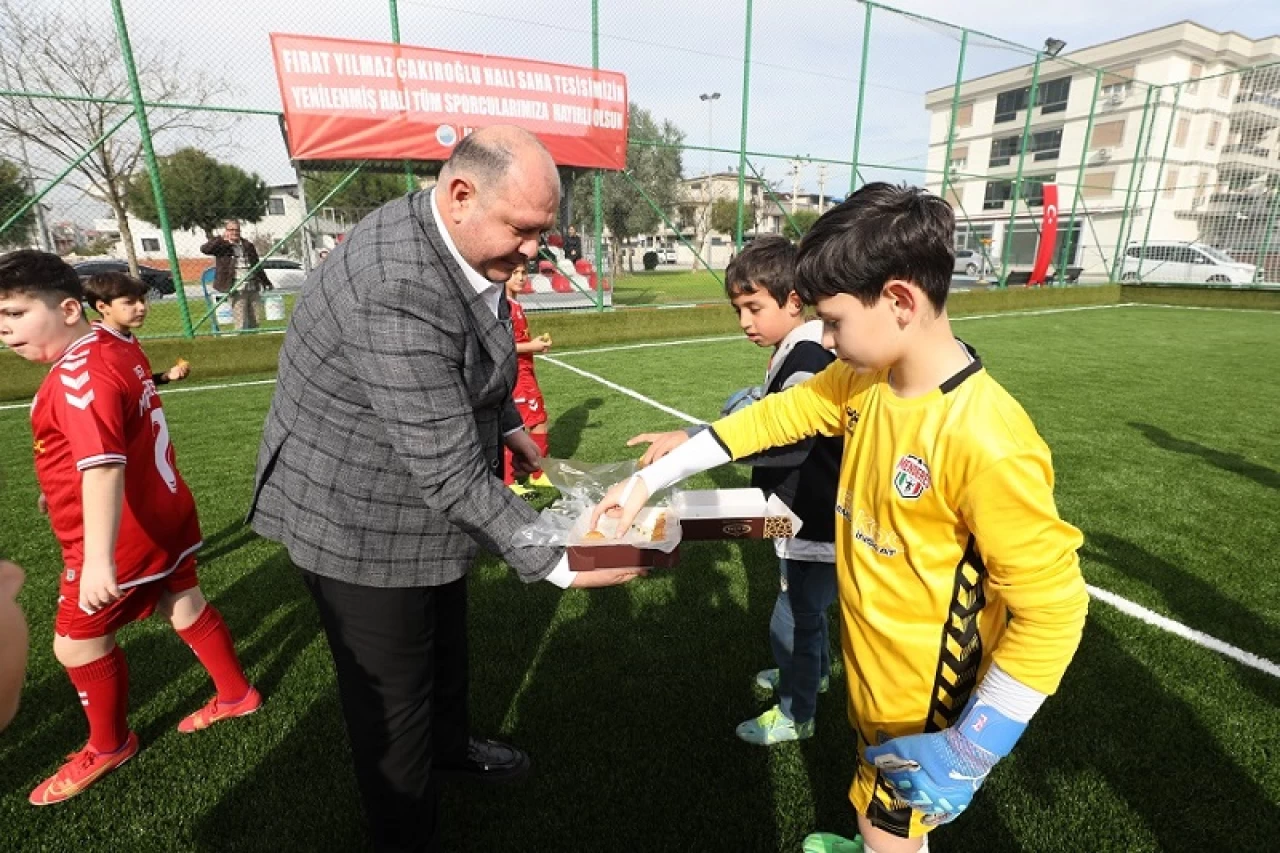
(209, 638)
(540, 439)
(103, 686)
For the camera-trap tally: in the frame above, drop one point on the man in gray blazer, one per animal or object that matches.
(379, 467)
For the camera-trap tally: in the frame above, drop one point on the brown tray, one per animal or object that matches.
(588, 558)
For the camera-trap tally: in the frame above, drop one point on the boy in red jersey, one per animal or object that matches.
(125, 519)
(527, 394)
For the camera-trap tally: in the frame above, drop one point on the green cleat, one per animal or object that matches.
(825, 842)
(767, 679)
(774, 727)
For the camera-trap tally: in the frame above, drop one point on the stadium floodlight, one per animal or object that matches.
(1053, 46)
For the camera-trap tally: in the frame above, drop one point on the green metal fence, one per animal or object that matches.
(749, 119)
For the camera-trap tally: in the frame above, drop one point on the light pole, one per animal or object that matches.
(710, 99)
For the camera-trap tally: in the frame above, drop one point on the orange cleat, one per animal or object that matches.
(82, 769)
(216, 711)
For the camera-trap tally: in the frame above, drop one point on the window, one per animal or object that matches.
(1098, 184)
(959, 156)
(1033, 189)
(1008, 104)
(998, 192)
(1214, 129)
(1003, 149)
(1046, 144)
(150, 244)
(1053, 95)
(1197, 71)
(275, 206)
(1201, 184)
(1184, 130)
(964, 116)
(1107, 134)
(955, 196)
(1117, 83)
(1224, 84)
(1171, 183)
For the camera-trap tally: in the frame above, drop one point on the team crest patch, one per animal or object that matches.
(911, 477)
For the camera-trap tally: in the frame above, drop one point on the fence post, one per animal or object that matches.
(1125, 218)
(409, 184)
(1007, 242)
(597, 180)
(862, 92)
(148, 152)
(1063, 260)
(1156, 190)
(955, 107)
(742, 145)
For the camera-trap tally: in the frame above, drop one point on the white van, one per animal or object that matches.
(1193, 262)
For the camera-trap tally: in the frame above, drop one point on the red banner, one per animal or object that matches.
(1048, 236)
(360, 100)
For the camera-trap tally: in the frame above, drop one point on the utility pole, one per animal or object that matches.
(822, 188)
(795, 183)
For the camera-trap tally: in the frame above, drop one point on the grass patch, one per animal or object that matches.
(1161, 423)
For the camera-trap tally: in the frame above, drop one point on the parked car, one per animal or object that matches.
(283, 273)
(1178, 261)
(160, 281)
(969, 262)
(666, 255)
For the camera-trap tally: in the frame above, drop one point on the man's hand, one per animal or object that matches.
(524, 453)
(660, 444)
(42, 504)
(542, 343)
(606, 577)
(623, 501)
(98, 586)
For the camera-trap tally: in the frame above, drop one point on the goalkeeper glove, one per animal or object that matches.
(938, 773)
(741, 399)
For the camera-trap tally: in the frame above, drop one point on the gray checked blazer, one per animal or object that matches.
(380, 459)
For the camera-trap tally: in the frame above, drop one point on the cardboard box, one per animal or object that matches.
(733, 514)
(637, 548)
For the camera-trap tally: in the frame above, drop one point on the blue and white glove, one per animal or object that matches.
(741, 399)
(938, 773)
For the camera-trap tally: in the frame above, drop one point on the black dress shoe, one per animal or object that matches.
(486, 761)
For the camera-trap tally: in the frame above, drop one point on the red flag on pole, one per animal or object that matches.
(1048, 236)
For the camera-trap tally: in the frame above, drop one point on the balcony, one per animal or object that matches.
(1248, 157)
(1259, 109)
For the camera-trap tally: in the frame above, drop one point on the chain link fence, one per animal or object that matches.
(130, 131)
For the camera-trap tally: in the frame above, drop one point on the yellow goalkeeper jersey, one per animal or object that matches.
(949, 550)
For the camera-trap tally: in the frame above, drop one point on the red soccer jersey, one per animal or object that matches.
(524, 360)
(99, 406)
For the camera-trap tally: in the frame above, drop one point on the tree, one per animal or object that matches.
(65, 51)
(803, 220)
(724, 216)
(366, 191)
(199, 192)
(14, 194)
(655, 168)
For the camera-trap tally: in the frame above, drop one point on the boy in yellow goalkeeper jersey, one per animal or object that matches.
(960, 590)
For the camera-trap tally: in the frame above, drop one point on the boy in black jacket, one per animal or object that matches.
(759, 283)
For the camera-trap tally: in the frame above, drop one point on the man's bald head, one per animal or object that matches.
(490, 155)
(497, 194)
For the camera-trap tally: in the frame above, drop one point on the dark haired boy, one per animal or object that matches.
(961, 597)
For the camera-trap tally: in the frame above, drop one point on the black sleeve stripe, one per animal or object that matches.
(720, 441)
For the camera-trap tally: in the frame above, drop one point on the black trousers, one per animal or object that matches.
(401, 660)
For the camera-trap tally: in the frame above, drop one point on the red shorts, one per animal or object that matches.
(138, 602)
(529, 402)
